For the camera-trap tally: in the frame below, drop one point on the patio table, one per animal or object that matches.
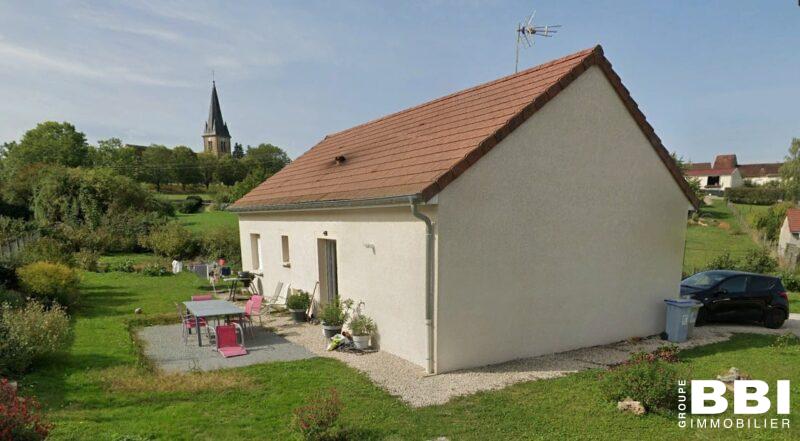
(209, 309)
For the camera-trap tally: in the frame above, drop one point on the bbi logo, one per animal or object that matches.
(749, 397)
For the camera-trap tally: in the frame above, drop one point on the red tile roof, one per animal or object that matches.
(793, 214)
(419, 151)
(698, 166)
(710, 172)
(725, 161)
(760, 170)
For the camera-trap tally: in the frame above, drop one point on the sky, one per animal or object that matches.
(712, 77)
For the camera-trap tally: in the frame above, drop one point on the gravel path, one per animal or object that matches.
(409, 382)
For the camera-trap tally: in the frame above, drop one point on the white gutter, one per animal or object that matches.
(429, 280)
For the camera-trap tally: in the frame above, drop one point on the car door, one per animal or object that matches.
(759, 292)
(726, 302)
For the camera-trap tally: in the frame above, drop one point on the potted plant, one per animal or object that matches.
(297, 303)
(333, 316)
(362, 328)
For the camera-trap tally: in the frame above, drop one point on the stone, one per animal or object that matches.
(629, 405)
(137, 311)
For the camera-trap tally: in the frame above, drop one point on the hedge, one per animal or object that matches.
(754, 195)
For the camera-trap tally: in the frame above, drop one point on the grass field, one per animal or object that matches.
(704, 243)
(99, 389)
(206, 220)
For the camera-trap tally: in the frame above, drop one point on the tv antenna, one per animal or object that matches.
(526, 33)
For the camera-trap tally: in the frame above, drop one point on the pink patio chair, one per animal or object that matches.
(226, 341)
(255, 309)
(188, 323)
(202, 297)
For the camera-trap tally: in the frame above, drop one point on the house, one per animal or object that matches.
(761, 173)
(722, 175)
(790, 232)
(728, 173)
(487, 225)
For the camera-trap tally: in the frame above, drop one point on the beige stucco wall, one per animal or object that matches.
(381, 259)
(786, 237)
(727, 181)
(762, 180)
(568, 234)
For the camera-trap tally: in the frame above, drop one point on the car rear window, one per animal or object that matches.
(761, 283)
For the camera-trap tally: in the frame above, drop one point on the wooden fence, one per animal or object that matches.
(13, 246)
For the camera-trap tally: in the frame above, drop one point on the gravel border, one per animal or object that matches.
(408, 381)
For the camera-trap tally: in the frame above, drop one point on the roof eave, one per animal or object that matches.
(332, 204)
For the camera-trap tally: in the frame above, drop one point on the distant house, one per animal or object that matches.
(760, 174)
(722, 175)
(726, 173)
(461, 223)
(790, 231)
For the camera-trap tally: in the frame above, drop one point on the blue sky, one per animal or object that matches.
(712, 77)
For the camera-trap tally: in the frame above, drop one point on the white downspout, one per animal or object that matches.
(429, 281)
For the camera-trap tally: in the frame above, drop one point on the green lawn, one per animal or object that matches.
(703, 243)
(180, 197)
(99, 389)
(751, 211)
(203, 221)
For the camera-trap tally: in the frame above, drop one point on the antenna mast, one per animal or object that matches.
(526, 33)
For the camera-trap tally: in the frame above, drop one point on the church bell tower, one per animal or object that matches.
(216, 138)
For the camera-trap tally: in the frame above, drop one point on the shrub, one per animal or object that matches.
(123, 266)
(12, 228)
(49, 282)
(791, 280)
(46, 249)
(172, 240)
(362, 325)
(221, 243)
(20, 417)
(316, 420)
(125, 227)
(192, 204)
(723, 261)
(754, 195)
(758, 261)
(86, 259)
(8, 275)
(649, 380)
(770, 221)
(12, 298)
(335, 313)
(299, 299)
(155, 270)
(30, 332)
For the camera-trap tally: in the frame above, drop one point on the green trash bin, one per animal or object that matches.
(681, 315)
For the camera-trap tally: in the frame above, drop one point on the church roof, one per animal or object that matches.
(215, 125)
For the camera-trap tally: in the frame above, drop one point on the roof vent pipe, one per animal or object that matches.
(429, 281)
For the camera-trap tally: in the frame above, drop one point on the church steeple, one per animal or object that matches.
(216, 138)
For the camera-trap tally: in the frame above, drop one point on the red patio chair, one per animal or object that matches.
(226, 341)
(188, 322)
(201, 297)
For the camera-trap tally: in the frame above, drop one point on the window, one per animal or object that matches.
(734, 285)
(713, 181)
(761, 283)
(255, 251)
(285, 250)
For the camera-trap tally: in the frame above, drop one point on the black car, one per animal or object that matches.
(738, 296)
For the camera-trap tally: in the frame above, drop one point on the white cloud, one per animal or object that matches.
(19, 57)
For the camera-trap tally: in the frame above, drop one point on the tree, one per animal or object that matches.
(184, 166)
(50, 143)
(694, 183)
(230, 171)
(207, 164)
(157, 165)
(790, 171)
(266, 157)
(238, 152)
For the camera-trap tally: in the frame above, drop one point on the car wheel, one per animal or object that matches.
(774, 318)
(702, 317)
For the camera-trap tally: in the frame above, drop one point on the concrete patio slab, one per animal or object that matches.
(163, 345)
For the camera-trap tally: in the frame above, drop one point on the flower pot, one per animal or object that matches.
(298, 315)
(361, 341)
(331, 330)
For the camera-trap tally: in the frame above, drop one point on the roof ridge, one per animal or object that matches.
(521, 73)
